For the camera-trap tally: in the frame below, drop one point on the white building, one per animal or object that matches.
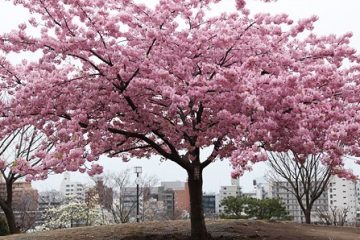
(341, 195)
(173, 185)
(233, 190)
(344, 195)
(72, 189)
(278, 190)
(262, 190)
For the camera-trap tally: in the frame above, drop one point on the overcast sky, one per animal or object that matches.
(335, 16)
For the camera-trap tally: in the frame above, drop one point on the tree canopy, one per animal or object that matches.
(127, 80)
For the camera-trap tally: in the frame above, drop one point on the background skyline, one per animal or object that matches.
(335, 17)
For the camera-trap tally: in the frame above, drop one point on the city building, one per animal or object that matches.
(209, 204)
(227, 191)
(344, 195)
(262, 190)
(167, 196)
(279, 190)
(72, 189)
(181, 196)
(124, 204)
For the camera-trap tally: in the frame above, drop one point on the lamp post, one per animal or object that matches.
(138, 171)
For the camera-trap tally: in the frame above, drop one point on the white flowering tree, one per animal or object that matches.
(73, 214)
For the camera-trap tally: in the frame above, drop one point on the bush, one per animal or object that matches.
(246, 207)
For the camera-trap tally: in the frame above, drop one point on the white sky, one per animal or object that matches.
(335, 16)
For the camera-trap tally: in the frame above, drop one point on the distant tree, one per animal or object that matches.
(307, 178)
(72, 214)
(234, 206)
(333, 215)
(21, 153)
(103, 194)
(247, 207)
(124, 193)
(101, 198)
(153, 210)
(266, 209)
(26, 209)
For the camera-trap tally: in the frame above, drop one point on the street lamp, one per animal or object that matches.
(138, 171)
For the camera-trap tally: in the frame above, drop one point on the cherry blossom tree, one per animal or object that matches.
(20, 153)
(121, 78)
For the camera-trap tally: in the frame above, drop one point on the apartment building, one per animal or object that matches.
(344, 195)
(279, 190)
(72, 189)
(233, 190)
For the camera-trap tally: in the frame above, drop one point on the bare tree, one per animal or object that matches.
(100, 196)
(25, 209)
(306, 176)
(153, 210)
(333, 216)
(18, 149)
(124, 193)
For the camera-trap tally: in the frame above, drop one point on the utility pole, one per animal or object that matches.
(138, 171)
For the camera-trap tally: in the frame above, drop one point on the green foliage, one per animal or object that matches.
(234, 206)
(4, 229)
(246, 207)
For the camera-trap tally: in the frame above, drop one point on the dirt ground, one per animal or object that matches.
(179, 230)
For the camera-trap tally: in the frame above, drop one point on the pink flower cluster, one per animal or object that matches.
(123, 79)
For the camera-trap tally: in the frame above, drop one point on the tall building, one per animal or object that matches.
(344, 195)
(167, 196)
(127, 200)
(175, 197)
(278, 190)
(233, 190)
(72, 189)
(262, 190)
(209, 204)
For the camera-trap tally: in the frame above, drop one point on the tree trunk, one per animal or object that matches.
(307, 214)
(10, 218)
(198, 228)
(6, 206)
